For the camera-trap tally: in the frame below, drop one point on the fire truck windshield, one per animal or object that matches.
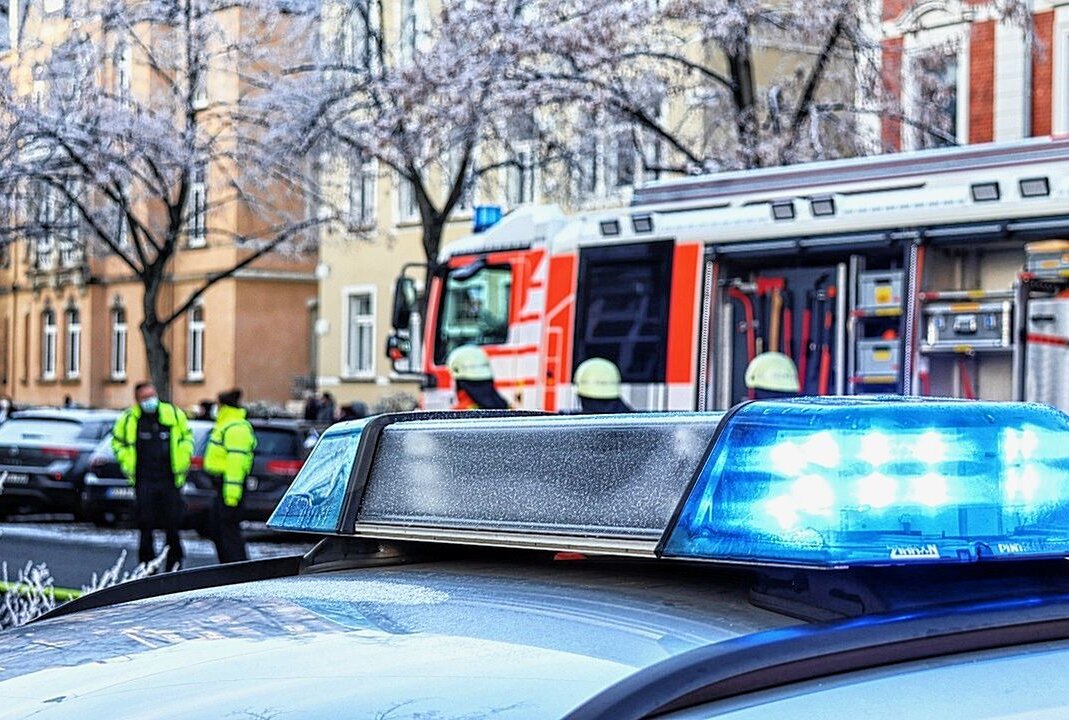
(474, 310)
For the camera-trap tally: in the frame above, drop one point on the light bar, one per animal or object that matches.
(607, 483)
(834, 482)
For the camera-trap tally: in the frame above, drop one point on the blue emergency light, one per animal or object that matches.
(813, 482)
(833, 482)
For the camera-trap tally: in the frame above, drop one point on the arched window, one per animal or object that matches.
(48, 344)
(195, 344)
(118, 343)
(74, 343)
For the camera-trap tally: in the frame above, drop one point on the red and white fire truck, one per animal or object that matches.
(915, 273)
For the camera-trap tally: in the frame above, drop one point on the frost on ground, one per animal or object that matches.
(32, 592)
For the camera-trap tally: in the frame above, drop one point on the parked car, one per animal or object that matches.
(45, 454)
(281, 448)
(107, 498)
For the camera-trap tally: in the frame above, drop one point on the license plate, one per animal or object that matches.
(17, 479)
(119, 493)
(251, 483)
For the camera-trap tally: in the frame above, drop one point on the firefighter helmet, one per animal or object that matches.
(598, 379)
(772, 371)
(469, 362)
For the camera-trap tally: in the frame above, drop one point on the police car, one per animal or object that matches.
(811, 558)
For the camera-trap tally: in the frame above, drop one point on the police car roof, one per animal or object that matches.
(517, 637)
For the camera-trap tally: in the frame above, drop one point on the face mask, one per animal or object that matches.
(214, 412)
(149, 405)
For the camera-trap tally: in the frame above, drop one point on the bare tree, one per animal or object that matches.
(438, 106)
(145, 131)
(740, 83)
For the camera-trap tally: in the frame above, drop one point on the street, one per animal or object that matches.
(75, 552)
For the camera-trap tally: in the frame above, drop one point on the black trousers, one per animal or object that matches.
(159, 506)
(226, 530)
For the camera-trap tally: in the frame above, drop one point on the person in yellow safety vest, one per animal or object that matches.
(597, 382)
(772, 375)
(228, 461)
(153, 446)
(474, 380)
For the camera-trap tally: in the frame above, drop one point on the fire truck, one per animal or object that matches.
(940, 272)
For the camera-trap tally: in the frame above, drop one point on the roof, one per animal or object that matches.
(518, 639)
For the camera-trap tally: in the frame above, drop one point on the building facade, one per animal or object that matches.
(71, 313)
(995, 81)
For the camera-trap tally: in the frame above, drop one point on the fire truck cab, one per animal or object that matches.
(939, 272)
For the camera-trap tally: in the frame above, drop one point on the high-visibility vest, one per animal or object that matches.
(124, 441)
(229, 453)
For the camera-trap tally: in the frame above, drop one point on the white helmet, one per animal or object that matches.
(597, 379)
(772, 371)
(469, 362)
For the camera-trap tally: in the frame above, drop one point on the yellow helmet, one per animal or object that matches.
(772, 371)
(597, 379)
(469, 362)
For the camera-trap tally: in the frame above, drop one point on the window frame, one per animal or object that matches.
(369, 320)
(72, 357)
(195, 338)
(197, 204)
(362, 184)
(119, 343)
(70, 254)
(956, 31)
(49, 340)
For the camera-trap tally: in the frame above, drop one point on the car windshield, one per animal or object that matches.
(20, 430)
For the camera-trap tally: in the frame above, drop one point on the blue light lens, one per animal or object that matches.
(314, 501)
(837, 482)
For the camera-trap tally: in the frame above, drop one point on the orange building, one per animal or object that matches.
(70, 317)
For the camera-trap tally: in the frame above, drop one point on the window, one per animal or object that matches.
(124, 66)
(74, 343)
(118, 343)
(360, 333)
(200, 89)
(358, 42)
(70, 238)
(198, 207)
(48, 344)
(195, 344)
(409, 30)
(622, 308)
(362, 177)
(475, 309)
(935, 73)
(615, 157)
(407, 204)
(520, 174)
(46, 227)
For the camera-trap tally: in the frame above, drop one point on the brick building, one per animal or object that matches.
(989, 81)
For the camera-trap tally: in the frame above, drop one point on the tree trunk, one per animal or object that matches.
(156, 352)
(744, 97)
(432, 243)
